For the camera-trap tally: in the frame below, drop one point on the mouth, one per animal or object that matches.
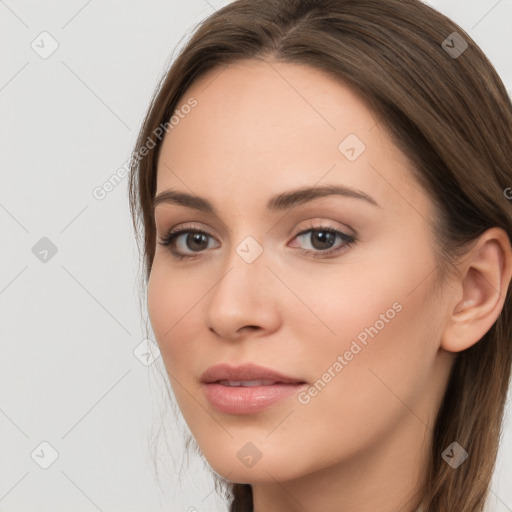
(247, 389)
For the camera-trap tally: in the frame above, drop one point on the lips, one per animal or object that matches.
(246, 373)
(247, 389)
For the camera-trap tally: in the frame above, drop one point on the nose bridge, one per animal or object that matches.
(245, 269)
(241, 297)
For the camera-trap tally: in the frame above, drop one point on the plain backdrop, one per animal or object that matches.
(79, 404)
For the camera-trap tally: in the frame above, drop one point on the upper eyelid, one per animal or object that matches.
(312, 225)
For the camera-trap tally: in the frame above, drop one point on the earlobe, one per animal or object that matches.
(483, 284)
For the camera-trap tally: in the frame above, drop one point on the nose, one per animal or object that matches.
(244, 300)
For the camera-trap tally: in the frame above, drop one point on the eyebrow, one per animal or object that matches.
(277, 203)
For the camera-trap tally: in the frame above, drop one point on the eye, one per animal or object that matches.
(321, 239)
(195, 240)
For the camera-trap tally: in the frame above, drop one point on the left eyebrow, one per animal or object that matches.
(276, 203)
(291, 198)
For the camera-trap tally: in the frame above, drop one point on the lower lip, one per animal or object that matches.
(247, 400)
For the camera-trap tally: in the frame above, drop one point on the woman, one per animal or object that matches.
(321, 191)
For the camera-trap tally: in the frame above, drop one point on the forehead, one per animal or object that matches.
(267, 125)
(252, 99)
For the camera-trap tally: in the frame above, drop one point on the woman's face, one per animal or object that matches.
(352, 319)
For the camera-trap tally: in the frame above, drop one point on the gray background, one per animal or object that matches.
(70, 325)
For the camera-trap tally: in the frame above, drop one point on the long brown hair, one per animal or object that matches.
(446, 109)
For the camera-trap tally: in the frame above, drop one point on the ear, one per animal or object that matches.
(482, 287)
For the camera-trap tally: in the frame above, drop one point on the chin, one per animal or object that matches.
(242, 465)
(263, 474)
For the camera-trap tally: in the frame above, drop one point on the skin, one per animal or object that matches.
(261, 128)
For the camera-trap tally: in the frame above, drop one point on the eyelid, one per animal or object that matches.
(323, 223)
(313, 223)
(188, 226)
(182, 228)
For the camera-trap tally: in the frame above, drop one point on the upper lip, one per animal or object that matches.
(245, 372)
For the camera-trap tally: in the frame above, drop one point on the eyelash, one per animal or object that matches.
(348, 240)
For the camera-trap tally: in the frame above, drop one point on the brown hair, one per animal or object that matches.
(450, 114)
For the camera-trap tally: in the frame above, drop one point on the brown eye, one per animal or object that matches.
(322, 239)
(195, 241)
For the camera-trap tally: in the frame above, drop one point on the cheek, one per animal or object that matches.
(383, 350)
(171, 299)
(360, 400)
(382, 358)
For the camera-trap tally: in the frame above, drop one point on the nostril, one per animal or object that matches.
(252, 327)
